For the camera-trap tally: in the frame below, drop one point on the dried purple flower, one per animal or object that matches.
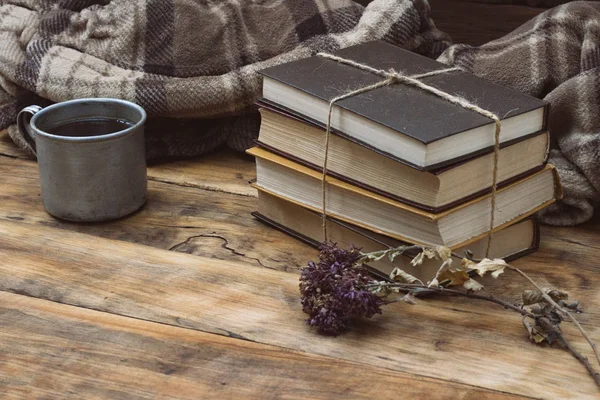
(332, 290)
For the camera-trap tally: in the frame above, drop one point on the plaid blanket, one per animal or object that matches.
(193, 60)
(198, 61)
(556, 56)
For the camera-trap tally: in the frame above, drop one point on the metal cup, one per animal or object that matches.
(88, 178)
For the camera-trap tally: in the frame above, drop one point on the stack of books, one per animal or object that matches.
(405, 166)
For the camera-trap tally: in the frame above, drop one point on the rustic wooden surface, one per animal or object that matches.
(476, 22)
(89, 354)
(192, 298)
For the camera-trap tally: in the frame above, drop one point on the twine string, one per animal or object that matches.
(393, 77)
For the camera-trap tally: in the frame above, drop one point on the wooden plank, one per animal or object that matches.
(8, 148)
(185, 219)
(217, 225)
(459, 341)
(529, 3)
(52, 350)
(476, 23)
(222, 171)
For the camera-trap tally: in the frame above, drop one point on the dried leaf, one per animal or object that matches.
(574, 305)
(548, 327)
(495, 267)
(497, 273)
(383, 290)
(473, 285)
(418, 260)
(399, 275)
(392, 255)
(546, 307)
(467, 264)
(379, 255)
(434, 282)
(376, 256)
(430, 252)
(537, 338)
(455, 276)
(535, 335)
(444, 253)
(536, 309)
(397, 252)
(440, 252)
(426, 253)
(531, 297)
(556, 295)
(535, 296)
(410, 299)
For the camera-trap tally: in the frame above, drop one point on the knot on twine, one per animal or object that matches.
(393, 77)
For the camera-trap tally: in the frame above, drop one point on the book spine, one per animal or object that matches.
(433, 210)
(535, 244)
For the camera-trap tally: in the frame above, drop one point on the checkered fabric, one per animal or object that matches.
(193, 60)
(555, 56)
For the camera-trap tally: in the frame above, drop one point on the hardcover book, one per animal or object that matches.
(454, 228)
(434, 191)
(509, 243)
(401, 121)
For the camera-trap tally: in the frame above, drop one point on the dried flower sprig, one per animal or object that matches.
(339, 287)
(333, 290)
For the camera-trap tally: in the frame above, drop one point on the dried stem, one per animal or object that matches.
(562, 310)
(421, 289)
(526, 314)
(383, 253)
(417, 290)
(582, 359)
(490, 298)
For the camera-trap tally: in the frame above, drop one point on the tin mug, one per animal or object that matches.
(88, 178)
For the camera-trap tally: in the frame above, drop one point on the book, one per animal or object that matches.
(434, 191)
(509, 243)
(453, 228)
(399, 120)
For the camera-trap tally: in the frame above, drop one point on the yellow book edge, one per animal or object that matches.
(399, 237)
(284, 162)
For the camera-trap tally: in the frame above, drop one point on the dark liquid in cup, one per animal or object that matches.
(90, 127)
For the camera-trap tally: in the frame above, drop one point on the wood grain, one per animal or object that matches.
(7, 147)
(222, 171)
(211, 223)
(52, 350)
(476, 23)
(456, 341)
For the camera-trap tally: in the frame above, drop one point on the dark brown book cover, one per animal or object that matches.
(436, 168)
(264, 103)
(405, 109)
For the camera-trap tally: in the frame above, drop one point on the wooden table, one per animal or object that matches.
(192, 298)
(476, 22)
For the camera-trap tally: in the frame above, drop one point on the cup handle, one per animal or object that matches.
(24, 125)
